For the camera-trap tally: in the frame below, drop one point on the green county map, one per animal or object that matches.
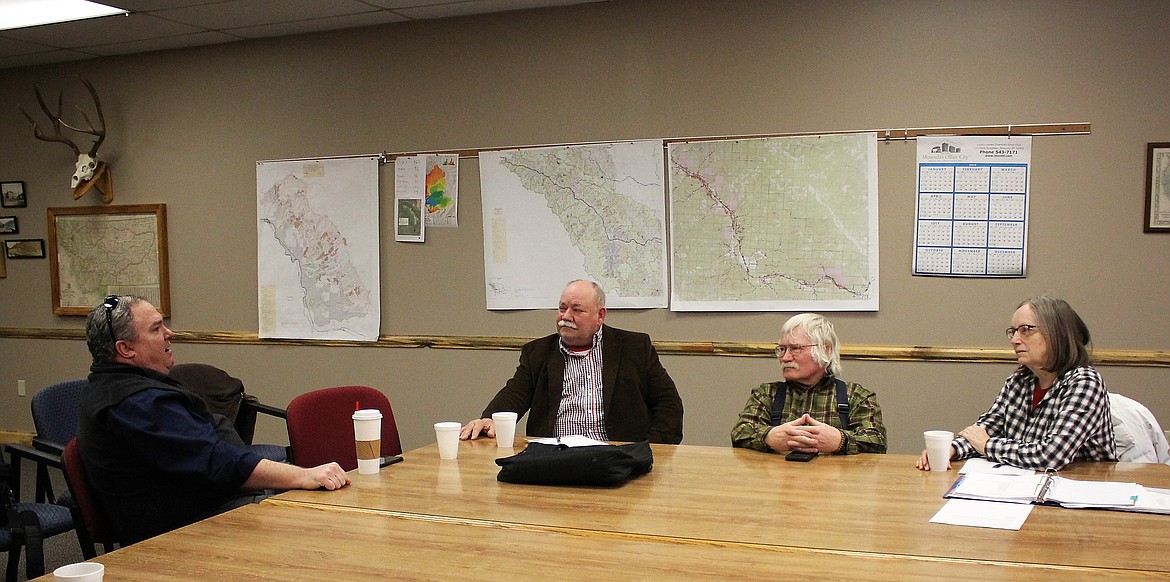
(774, 224)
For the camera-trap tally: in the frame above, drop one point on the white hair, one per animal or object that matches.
(827, 348)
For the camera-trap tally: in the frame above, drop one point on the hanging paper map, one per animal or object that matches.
(317, 247)
(551, 215)
(774, 224)
(410, 174)
(442, 182)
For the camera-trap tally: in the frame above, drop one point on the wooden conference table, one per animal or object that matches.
(703, 513)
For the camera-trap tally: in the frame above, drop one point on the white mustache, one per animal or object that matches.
(787, 365)
(567, 324)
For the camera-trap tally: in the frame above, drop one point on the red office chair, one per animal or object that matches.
(320, 425)
(94, 527)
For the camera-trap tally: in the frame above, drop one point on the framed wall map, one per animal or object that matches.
(1157, 187)
(99, 251)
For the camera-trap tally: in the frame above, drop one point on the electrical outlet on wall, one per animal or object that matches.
(20, 390)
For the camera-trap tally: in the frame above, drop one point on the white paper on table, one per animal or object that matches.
(1151, 500)
(569, 441)
(982, 465)
(989, 514)
(1044, 488)
(1093, 494)
(995, 487)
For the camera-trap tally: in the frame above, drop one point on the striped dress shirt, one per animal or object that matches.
(582, 408)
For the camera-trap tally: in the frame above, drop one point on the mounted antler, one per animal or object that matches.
(90, 172)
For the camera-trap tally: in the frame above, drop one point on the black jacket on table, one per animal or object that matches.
(640, 400)
(155, 455)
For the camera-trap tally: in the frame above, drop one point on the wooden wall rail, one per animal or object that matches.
(1135, 358)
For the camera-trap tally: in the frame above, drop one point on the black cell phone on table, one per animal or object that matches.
(387, 461)
(800, 456)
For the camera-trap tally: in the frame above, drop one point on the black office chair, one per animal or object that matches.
(224, 394)
(8, 544)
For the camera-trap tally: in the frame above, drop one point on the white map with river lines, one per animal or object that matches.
(317, 247)
(554, 214)
(774, 224)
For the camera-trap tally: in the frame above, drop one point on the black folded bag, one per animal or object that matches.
(610, 465)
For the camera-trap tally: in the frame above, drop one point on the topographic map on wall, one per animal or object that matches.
(554, 214)
(317, 247)
(774, 224)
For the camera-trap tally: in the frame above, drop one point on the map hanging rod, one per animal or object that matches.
(906, 134)
(886, 135)
(381, 158)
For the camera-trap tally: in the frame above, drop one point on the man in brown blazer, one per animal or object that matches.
(589, 379)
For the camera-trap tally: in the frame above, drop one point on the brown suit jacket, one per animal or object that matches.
(640, 400)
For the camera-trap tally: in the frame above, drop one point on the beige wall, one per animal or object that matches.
(187, 126)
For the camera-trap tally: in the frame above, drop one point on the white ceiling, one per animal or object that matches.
(168, 24)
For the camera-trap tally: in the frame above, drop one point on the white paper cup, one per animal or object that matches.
(367, 436)
(938, 448)
(447, 433)
(81, 572)
(505, 425)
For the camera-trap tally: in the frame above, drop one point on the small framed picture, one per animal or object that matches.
(25, 248)
(1157, 187)
(12, 195)
(9, 225)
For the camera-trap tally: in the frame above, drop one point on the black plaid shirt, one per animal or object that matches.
(1072, 422)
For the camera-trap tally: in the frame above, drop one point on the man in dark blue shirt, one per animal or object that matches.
(156, 456)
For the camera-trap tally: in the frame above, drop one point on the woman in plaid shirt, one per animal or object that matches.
(1054, 409)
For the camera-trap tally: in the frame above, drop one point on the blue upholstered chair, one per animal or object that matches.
(27, 525)
(55, 411)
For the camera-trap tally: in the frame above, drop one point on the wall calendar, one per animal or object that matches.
(971, 212)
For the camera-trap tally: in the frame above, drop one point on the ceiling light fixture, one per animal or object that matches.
(25, 13)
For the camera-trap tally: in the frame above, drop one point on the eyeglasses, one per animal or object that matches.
(794, 350)
(1024, 330)
(111, 303)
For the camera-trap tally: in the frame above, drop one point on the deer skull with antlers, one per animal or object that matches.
(89, 171)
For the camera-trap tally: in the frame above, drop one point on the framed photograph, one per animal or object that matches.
(24, 248)
(12, 195)
(98, 251)
(1158, 187)
(3, 267)
(9, 225)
